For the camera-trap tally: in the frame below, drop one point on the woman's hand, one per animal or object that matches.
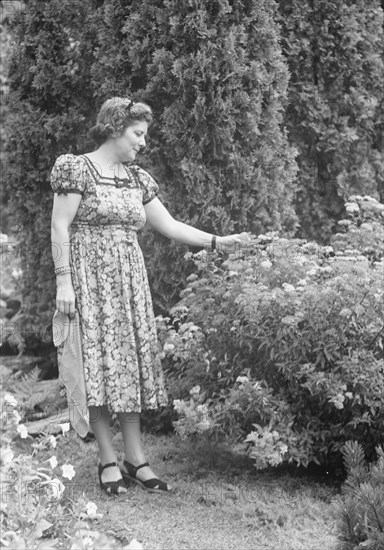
(65, 298)
(232, 243)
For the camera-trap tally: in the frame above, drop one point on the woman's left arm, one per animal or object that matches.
(161, 220)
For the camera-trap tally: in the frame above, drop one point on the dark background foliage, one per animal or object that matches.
(267, 114)
(335, 115)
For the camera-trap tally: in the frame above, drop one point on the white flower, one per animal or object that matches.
(352, 207)
(242, 379)
(178, 405)
(134, 545)
(204, 424)
(195, 390)
(289, 320)
(367, 226)
(288, 288)
(9, 398)
(52, 461)
(16, 273)
(169, 347)
(65, 427)
(23, 431)
(52, 441)
(266, 264)
(68, 471)
(87, 542)
(6, 455)
(91, 509)
(338, 401)
(202, 254)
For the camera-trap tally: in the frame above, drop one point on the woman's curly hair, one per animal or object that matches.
(115, 115)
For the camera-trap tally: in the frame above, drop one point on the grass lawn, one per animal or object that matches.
(221, 501)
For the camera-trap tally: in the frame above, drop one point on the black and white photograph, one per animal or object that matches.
(192, 275)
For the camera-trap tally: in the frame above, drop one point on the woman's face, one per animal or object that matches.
(131, 141)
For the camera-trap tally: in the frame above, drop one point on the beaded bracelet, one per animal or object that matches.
(63, 269)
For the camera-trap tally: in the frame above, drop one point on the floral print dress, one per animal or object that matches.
(121, 352)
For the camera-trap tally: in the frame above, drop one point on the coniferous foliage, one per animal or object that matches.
(49, 103)
(335, 116)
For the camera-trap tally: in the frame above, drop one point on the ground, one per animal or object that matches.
(221, 501)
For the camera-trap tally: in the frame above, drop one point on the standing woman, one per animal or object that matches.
(101, 200)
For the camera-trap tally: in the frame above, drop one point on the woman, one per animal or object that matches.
(101, 200)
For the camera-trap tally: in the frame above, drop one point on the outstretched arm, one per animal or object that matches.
(161, 220)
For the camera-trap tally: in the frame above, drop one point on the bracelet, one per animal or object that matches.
(213, 244)
(63, 269)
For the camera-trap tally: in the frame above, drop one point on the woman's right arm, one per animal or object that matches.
(63, 212)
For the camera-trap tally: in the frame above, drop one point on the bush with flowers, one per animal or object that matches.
(305, 324)
(35, 511)
(193, 416)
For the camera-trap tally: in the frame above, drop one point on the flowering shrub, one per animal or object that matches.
(183, 349)
(363, 230)
(305, 322)
(267, 448)
(33, 502)
(194, 418)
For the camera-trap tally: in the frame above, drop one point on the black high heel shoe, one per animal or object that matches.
(111, 487)
(153, 485)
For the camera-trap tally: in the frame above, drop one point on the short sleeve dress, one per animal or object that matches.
(121, 352)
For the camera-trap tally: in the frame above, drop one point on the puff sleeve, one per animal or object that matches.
(69, 175)
(148, 185)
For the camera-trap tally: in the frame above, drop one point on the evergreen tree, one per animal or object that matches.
(48, 105)
(335, 52)
(214, 74)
